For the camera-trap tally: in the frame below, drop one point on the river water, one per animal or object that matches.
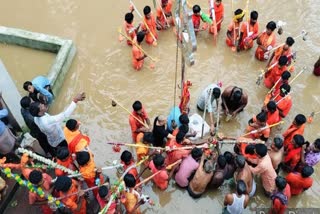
(102, 68)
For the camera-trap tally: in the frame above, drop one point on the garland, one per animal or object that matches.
(38, 190)
(46, 161)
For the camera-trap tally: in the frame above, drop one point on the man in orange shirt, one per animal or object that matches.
(284, 50)
(128, 161)
(284, 101)
(297, 127)
(164, 10)
(281, 196)
(64, 159)
(300, 182)
(293, 153)
(173, 156)
(248, 32)
(67, 186)
(143, 139)
(258, 125)
(129, 28)
(76, 140)
(219, 14)
(140, 113)
(130, 197)
(272, 76)
(151, 28)
(266, 41)
(233, 33)
(42, 180)
(161, 180)
(137, 54)
(272, 113)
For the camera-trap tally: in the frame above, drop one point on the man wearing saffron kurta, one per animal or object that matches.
(165, 9)
(137, 116)
(137, 54)
(150, 29)
(275, 73)
(219, 13)
(297, 127)
(76, 140)
(284, 50)
(129, 28)
(233, 33)
(284, 100)
(249, 32)
(266, 41)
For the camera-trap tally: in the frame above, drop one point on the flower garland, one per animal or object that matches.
(47, 161)
(38, 190)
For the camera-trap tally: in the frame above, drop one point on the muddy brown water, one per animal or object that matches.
(102, 67)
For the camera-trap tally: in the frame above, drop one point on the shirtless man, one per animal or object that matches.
(234, 99)
(244, 173)
(276, 152)
(219, 172)
(202, 177)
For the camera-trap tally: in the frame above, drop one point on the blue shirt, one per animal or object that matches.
(39, 83)
(3, 113)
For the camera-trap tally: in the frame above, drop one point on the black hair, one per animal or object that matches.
(298, 139)
(140, 36)
(271, 25)
(180, 136)
(300, 119)
(262, 116)
(34, 109)
(307, 171)
(250, 149)
(129, 17)
(285, 75)
(35, 177)
(238, 11)
(158, 160)
(63, 183)
(146, 10)
(129, 180)
(103, 191)
(148, 137)
(290, 41)
(222, 162)
(283, 60)
(261, 149)
(285, 88)
(237, 95)
(25, 102)
(82, 158)
(278, 142)
(272, 106)
(241, 187)
(184, 128)
(184, 119)
(317, 143)
(196, 9)
(126, 156)
(71, 124)
(62, 153)
(26, 84)
(281, 183)
(216, 92)
(229, 157)
(137, 105)
(196, 153)
(241, 161)
(254, 15)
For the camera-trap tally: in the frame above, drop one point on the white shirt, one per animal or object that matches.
(204, 98)
(51, 125)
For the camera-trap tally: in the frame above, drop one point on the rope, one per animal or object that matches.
(177, 55)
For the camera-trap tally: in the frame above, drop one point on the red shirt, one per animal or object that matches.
(135, 124)
(161, 179)
(297, 183)
(273, 117)
(277, 206)
(196, 21)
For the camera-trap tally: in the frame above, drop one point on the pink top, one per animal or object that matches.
(188, 165)
(103, 203)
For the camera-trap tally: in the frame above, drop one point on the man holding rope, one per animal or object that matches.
(164, 15)
(138, 113)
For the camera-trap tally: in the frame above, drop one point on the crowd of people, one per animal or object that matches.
(284, 163)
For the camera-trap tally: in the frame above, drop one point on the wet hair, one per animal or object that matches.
(180, 136)
(241, 187)
(25, 102)
(285, 75)
(283, 60)
(240, 161)
(261, 149)
(285, 88)
(63, 183)
(196, 153)
(216, 92)
(196, 9)
(126, 156)
(146, 10)
(272, 106)
(129, 17)
(184, 128)
(222, 162)
(238, 11)
(237, 95)
(307, 171)
(137, 105)
(158, 160)
(62, 153)
(250, 149)
(254, 15)
(281, 183)
(140, 36)
(129, 180)
(317, 143)
(229, 157)
(26, 85)
(103, 191)
(290, 41)
(278, 142)
(35, 177)
(208, 166)
(148, 137)
(34, 109)
(300, 119)
(262, 116)
(82, 158)
(184, 119)
(71, 124)
(271, 25)
(298, 139)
